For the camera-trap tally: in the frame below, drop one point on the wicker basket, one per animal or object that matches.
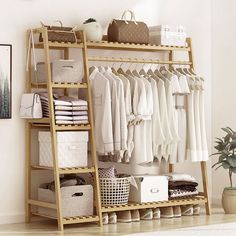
(114, 191)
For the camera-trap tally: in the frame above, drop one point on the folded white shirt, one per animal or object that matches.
(180, 177)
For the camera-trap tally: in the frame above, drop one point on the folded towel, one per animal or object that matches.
(68, 122)
(71, 113)
(182, 193)
(180, 177)
(70, 108)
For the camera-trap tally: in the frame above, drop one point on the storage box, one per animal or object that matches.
(75, 200)
(167, 35)
(150, 189)
(63, 71)
(72, 149)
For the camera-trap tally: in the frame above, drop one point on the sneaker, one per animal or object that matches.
(112, 218)
(135, 216)
(177, 211)
(196, 209)
(105, 218)
(124, 216)
(167, 212)
(156, 214)
(146, 214)
(187, 210)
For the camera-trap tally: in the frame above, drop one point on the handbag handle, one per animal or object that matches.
(56, 21)
(132, 18)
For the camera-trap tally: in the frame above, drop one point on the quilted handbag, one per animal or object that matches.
(59, 34)
(124, 31)
(31, 106)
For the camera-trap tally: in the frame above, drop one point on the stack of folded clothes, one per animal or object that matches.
(68, 110)
(182, 186)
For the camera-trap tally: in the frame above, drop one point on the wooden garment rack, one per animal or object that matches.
(49, 123)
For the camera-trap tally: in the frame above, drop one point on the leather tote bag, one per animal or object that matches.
(128, 31)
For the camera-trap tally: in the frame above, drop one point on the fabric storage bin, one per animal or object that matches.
(72, 149)
(150, 189)
(75, 200)
(167, 35)
(62, 71)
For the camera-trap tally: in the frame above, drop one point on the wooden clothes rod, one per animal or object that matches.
(132, 60)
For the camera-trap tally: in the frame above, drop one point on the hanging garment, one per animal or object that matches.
(102, 113)
(129, 118)
(164, 121)
(191, 133)
(158, 137)
(205, 154)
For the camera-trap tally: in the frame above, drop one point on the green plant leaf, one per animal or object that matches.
(231, 161)
(219, 139)
(217, 163)
(214, 154)
(225, 165)
(232, 145)
(228, 131)
(222, 157)
(218, 167)
(227, 138)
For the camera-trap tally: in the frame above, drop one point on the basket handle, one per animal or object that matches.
(79, 194)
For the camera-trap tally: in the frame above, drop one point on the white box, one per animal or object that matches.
(150, 189)
(167, 35)
(75, 200)
(72, 149)
(62, 71)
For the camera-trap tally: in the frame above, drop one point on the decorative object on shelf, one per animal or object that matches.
(59, 33)
(167, 35)
(31, 107)
(5, 81)
(92, 29)
(124, 31)
(226, 152)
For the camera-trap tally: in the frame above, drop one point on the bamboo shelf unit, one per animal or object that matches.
(49, 123)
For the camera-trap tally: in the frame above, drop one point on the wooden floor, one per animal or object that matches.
(49, 227)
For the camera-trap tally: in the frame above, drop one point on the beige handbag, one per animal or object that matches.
(124, 31)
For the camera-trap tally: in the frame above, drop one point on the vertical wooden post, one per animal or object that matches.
(203, 163)
(92, 136)
(53, 131)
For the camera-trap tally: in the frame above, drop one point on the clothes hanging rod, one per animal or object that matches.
(132, 60)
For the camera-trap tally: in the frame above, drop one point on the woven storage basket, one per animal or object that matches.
(114, 191)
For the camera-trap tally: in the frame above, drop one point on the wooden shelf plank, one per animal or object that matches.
(42, 204)
(133, 47)
(69, 85)
(43, 215)
(72, 127)
(80, 219)
(175, 202)
(39, 121)
(69, 170)
(59, 46)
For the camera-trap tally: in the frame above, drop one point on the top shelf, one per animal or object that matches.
(104, 45)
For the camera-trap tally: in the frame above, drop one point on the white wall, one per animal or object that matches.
(18, 15)
(223, 79)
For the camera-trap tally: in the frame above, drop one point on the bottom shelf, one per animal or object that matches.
(175, 202)
(71, 220)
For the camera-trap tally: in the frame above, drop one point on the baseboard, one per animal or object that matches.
(12, 218)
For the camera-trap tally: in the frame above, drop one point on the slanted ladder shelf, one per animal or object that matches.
(49, 123)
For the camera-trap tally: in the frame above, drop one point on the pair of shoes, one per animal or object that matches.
(156, 214)
(128, 216)
(187, 210)
(146, 214)
(110, 218)
(170, 212)
(196, 209)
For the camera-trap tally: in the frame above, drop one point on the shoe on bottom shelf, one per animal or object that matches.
(146, 214)
(135, 216)
(187, 210)
(124, 216)
(105, 218)
(196, 209)
(156, 214)
(112, 218)
(167, 212)
(177, 211)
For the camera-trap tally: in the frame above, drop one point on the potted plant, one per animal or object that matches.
(93, 30)
(226, 152)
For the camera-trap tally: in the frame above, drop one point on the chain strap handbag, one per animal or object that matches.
(128, 31)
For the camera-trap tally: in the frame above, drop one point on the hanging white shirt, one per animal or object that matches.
(102, 113)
